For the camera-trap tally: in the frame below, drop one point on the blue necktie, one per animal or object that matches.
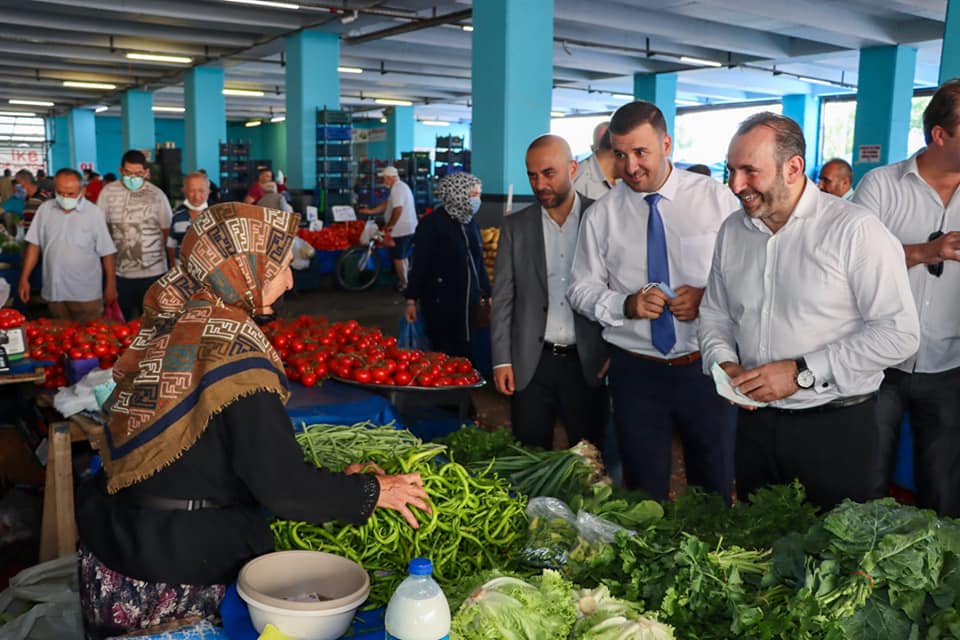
(658, 270)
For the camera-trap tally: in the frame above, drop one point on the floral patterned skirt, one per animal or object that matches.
(114, 604)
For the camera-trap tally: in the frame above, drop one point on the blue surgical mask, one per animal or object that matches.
(132, 182)
(67, 204)
(475, 203)
(20, 192)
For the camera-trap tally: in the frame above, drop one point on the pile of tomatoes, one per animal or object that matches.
(334, 237)
(313, 349)
(11, 318)
(59, 341)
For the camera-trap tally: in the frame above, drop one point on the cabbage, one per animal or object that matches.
(507, 608)
(603, 617)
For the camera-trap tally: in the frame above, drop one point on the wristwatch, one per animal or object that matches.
(805, 378)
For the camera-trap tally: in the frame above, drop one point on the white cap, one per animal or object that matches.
(388, 172)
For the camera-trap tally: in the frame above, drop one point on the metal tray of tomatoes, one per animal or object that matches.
(373, 386)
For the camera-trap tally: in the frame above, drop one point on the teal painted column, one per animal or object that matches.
(313, 82)
(399, 131)
(58, 130)
(884, 90)
(205, 119)
(512, 84)
(661, 90)
(950, 52)
(805, 110)
(82, 130)
(138, 129)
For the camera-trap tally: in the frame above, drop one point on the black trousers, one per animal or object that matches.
(933, 400)
(558, 388)
(835, 453)
(649, 400)
(130, 293)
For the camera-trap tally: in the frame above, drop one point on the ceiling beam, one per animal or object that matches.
(264, 18)
(415, 25)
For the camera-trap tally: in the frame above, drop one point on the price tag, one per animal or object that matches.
(316, 225)
(344, 213)
(311, 214)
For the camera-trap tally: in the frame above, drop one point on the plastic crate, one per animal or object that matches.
(326, 132)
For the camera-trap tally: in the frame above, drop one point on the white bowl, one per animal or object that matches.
(274, 586)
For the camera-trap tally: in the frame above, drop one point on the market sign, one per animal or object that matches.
(22, 156)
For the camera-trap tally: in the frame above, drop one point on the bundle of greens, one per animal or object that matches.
(600, 616)
(469, 444)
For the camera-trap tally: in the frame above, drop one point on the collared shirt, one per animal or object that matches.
(72, 245)
(590, 180)
(611, 259)
(137, 220)
(401, 196)
(182, 217)
(830, 286)
(560, 244)
(912, 210)
(849, 194)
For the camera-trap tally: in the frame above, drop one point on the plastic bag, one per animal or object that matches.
(551, 533)
(370, 231)
(412, 335)
(302, 252)
(112, 312)
(46, 599)
(4, 291)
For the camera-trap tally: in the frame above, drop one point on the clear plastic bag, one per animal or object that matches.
(551, 533)
(46, 599)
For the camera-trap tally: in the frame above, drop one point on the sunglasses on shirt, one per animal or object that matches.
(935, 269)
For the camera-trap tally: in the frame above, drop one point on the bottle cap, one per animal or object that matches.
(420, 567)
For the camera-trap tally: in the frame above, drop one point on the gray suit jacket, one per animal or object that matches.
(518, 316)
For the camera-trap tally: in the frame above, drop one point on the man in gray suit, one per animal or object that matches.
(547, 357)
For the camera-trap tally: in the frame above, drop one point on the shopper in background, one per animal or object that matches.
(272, 199)
(45, 184)
(196, 191)
(836, 178)
(255, 192)
(917, 200)
(547, 357)
(12, 209)
(448, 278)
(6, 185)
(72, 234)
(198, 448)
(214, 196)
(808, 302)
(93, 188)
(400, 216)
(33, 196)
(656, 228)
(138, 214)
(597, 174)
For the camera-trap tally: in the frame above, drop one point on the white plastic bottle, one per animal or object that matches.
(418, 610)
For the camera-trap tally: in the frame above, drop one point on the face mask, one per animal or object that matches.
(264, 318)
(132, 182)
(475, 203)
(20, 192)
(67, 204)
(187, 204)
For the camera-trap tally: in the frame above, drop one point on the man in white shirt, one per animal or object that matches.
(836, 178)
(596, 175)
(917, 200)
(808, 302)
(546, 357)
(138, 215)
(400, 214)
(657, 225)
(72, 234)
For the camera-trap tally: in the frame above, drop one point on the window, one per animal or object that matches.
(703, 136)
(837, 120)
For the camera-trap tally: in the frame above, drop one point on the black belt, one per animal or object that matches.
(560, 349)
(175, 504)
(839, 403)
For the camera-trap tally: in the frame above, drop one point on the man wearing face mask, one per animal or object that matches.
(72, 234)
(139, 217)
(196, 190)
(400, 212)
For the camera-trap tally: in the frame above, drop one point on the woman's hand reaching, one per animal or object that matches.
(402, 491)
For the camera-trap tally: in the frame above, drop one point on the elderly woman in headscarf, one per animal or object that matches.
(448, 279)
(198, 442)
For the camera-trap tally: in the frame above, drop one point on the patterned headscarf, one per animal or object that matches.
(454, 192)
(198, 349)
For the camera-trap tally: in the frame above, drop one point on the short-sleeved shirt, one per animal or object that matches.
(30, 209)
(72, 245)
(401, 196)
(178, 227)
(137, 220)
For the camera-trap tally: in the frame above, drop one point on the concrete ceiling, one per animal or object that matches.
(766, 47)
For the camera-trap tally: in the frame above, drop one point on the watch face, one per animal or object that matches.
(805, 379)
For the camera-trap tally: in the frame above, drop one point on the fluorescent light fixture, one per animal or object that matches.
(395, 103)
(700, 61)
(250, 93)
(34, 103)
(88, 85)
(685, 102)
(267, 3)
(24, 138)
(152, 57)
(101, 108)
(557, 114)
(349, 69)
(253, 123)
(383, 120)
(169, 109)
(815, 81)
(435, 123)
(623, 96)
(278, 118)
(467, 27)
(18, 114)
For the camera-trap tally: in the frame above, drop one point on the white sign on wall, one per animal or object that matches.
(869, 153)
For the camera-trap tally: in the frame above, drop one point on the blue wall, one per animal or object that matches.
(110, 140)
(267, 142)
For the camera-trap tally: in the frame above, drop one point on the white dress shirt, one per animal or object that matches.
(912, 210)
(560, 243)
(590, 180)
(611, 259)
(830, 286)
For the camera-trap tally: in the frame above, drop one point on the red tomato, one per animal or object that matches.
(308, 380)
(362, 375)
(403, 378)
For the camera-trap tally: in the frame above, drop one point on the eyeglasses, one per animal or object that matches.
(937, 268)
